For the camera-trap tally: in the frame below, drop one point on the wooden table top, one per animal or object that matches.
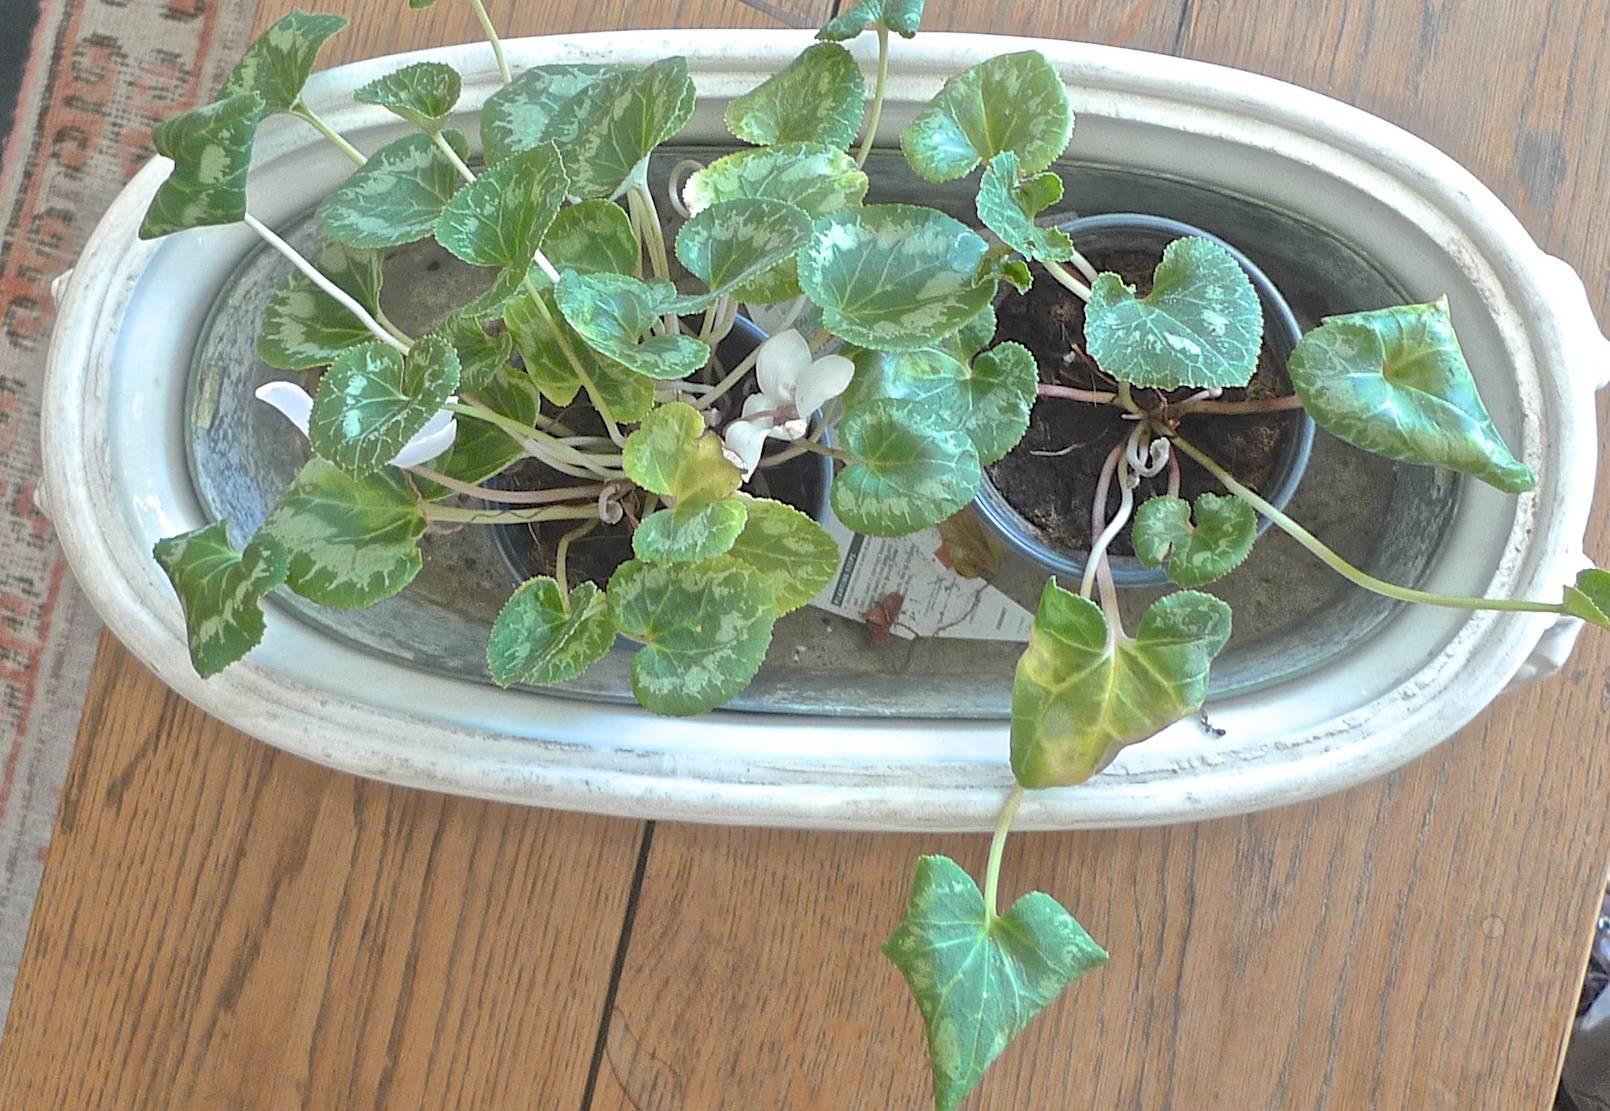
(222, 925)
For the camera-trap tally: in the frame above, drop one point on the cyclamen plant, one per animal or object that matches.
(887, 341)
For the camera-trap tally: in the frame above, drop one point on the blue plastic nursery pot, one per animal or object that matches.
(1281, 332)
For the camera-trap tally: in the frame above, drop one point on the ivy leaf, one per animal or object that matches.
(1218, 543)
(894, 277)
(609, 128)
(690, 531)
(1201, 325)
(1077, 700)
(819, 97)
(592, 237)
(1394, 381)
(979, 977)
(372, 401)
(211, 148)
(277, 63)
(989, 401)
(1011, 102)
(811, 176)
(913, 468)
(899, 16)
(499, 219)
(613, 313)
(745, 247)
(220, 589)
(671, 454)
(1008, 208)
(423, 94)
(481, 450)
(515, 117)
(397, 196)
(480, 356)
(305, 327)
(796, 554)
(352, 541)
(1589, 599)
(705, 627)
(539, 638)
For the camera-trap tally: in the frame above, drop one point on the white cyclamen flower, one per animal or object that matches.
(792, 387)
(426, 444)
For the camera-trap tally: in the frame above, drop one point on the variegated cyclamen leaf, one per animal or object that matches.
(690, 531)
(211, 148)
(744, 247)
(1589, 599)
(912, 468)
(623, 395)
(499, 219)
(539, 637)
(1395, 382)
(1197, 552)
(480, 355)
(277, 63)
(515, 117)
(989, 400)
(819, 97)
(794, 552)
(894, 277)
(613, 313)
(592, 237)
(974, 336)
(1077, 699)
(397, 196)
(372, 401)
(1201, 325)
(1002, 265)
(352, 541)
(424, 93)
(817, 178)
(1008, 207)
(482, 449)
(609, 128)
(220, 590)
(979, 977)
(305, 327)
(899, 16)
(672, 454)
(705, 628)
(1014, 102)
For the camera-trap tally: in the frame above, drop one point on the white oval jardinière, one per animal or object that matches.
(116, 474)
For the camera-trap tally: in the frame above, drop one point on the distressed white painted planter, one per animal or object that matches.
(117, 481)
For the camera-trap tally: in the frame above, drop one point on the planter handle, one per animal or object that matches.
(1589, 355)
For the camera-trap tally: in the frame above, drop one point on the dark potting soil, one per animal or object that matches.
(1050, 477)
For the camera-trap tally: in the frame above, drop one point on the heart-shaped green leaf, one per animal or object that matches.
(1012, 102)
(515, 117)
(1078, 699)
(352, 541)
(1216, 544)
(372, 401)
(913, 468)
(817, 178)
(980, 977)
(705, 627)
(1394, 381)
(609, 128)
(423, 94)
(819, 97)
(499, 219)
(539, 638)
(1008, 206)
(795, 553)
(480, 356)
(1201, 325)
(623, 395)
(690, 531)
(899, 16)
(220, 589)
(211, 148)
(277, 63)
(894, 277)
(1001, 265)
(974, 336)
(1589, 599)
(304, 326)
(481, 449)
(989, 400)
(592, 237)
(397, 196)
(745, 247)
(613, 314)
(671, 454)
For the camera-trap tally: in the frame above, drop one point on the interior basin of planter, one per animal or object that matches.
(1291, 613)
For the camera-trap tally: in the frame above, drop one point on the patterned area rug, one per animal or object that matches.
(81, 84)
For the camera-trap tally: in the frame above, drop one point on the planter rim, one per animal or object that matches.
(652, 767)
